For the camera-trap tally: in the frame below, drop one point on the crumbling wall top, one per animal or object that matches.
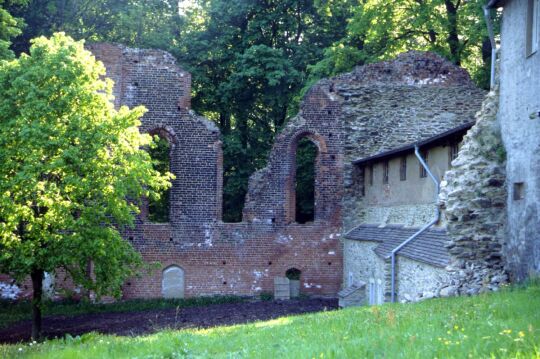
(412, 68)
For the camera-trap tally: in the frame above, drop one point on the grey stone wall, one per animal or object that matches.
(418, 281)
(473, 197)
(519, 115)
(389, 104)
(360, 263)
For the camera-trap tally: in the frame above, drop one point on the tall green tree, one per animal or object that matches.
(140, 23)
(72, 171)
(380, 30)
(249, 60)
(10, 26)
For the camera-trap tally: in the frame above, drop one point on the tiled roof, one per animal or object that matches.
(428, 247)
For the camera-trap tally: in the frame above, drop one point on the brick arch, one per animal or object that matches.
(290, 182)
(313, 136)
(166, 132)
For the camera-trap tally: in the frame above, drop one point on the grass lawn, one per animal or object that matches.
(14, 312)
(504, 324)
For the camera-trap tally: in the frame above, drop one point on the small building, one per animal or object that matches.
(399, 198)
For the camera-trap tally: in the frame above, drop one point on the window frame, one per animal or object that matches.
(425, 156)
(532, 28)
(453, 151)
(403, 168)
(386, 172)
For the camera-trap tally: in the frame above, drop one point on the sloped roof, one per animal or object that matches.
(428, 247)
(452, 134)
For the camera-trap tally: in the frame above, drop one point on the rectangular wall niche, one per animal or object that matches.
(519, 191)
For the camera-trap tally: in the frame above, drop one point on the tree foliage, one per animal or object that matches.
(380, 30)
(10, 26)
(252, 60)
(70, 162)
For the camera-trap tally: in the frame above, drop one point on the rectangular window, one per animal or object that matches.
(453, 151)
(386, 169)
(519, 191)
(371, 175)
(533, 26)
(423, 172)
(403, 169)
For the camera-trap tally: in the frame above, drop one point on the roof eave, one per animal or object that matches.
(456, 131)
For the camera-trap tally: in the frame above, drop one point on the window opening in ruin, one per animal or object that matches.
(519, 191)
(403, 169)
(158, 209)
(423, 172)
(293, 273)
(386, 170)
(371, 175)
(453, 151)
(533, 26)
(306, 156)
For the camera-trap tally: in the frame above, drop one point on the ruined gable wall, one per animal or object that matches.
(228, 258)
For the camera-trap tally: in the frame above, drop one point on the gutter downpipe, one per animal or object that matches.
(411, 238)
(489, 24)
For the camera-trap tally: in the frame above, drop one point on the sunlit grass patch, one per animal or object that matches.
(504, 324)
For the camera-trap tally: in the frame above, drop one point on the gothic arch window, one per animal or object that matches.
(306, 153)
(159, 208)
(306, 157)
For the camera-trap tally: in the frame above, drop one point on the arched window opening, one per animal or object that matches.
(306, 155)
(158, 209)
(293, 273)
(172, 283)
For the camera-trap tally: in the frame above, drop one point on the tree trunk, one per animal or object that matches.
(453, 37)
(37, 284)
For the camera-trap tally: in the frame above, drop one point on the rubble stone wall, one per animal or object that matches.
(473, 198)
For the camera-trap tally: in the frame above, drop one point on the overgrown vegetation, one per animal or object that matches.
(495, 325)
(11, 312)
(252, 61)
(69, 163)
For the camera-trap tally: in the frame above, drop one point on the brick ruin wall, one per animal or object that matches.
(372, 109)
(229, 258)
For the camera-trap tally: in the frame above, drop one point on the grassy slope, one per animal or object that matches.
(503, 324)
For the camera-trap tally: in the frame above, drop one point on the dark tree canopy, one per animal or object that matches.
(252, 61)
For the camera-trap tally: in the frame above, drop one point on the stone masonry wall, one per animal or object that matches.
(390, 104)
(473, 198)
